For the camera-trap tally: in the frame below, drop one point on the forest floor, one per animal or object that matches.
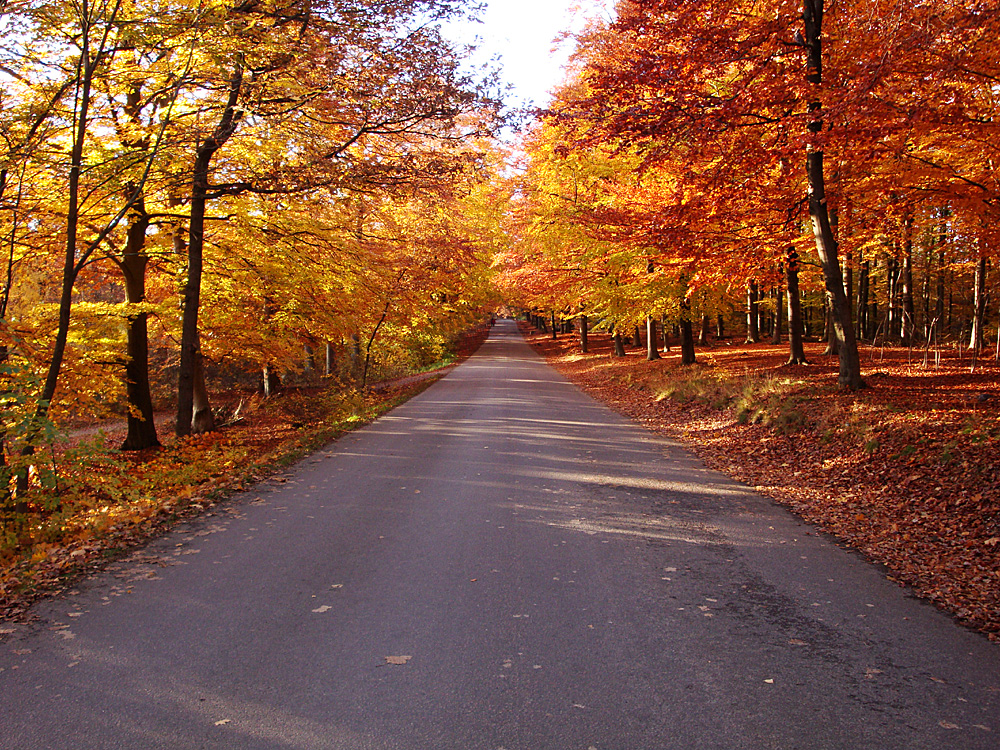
(109, 502)
(907, 470)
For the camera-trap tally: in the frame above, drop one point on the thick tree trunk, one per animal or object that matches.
(584, 332)
(652, 346)
(190, 365)
(687, 333)
(720, 327)
(826, 243)
(753, 314)
(796, 352)
(554, 331)
(687, 342)
(141, 427)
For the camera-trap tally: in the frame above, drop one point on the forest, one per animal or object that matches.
(209, 206)
(814, 171)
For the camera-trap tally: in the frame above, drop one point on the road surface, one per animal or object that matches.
(499, 563)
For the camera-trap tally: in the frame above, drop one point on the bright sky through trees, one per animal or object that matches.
(523, 35)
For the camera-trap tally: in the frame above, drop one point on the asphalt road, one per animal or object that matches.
(499, 563)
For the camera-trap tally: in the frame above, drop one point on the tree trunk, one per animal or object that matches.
(892, 307)
(270, 382)
(6, 506)
(190, 364)
(907, 323)
(652, 346)
(666, 334)
(720, 327)
(939, 306)
(826, 243)
(830, 330)
(687, 335)
(554, 333)
(85, 69)
(584, 344)
(705, 330)
(355, 350)
(796, 352)
(619, 345)
(753, 314)
(778, 304)
(329, 361)
(141, 427)
(978, 305)
(864, 274)
(202, 419)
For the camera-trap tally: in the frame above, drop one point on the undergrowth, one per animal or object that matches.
(757, 398)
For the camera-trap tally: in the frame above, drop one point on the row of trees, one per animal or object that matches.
(706, 154)
(252, 182)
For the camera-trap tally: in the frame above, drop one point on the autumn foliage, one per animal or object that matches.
(703, 153)
(197, 197)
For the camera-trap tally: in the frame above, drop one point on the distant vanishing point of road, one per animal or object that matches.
(500, 563)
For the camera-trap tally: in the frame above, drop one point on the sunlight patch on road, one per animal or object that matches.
(631, 482)
(645, 528)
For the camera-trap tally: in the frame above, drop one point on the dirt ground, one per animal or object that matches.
(907, 471)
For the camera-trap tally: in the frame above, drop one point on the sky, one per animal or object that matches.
(521, 34)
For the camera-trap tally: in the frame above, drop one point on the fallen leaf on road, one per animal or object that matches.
(948, 725)
(769, 682)
(322, 609)
(796, 642)
(222, 722)
(397, 660)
